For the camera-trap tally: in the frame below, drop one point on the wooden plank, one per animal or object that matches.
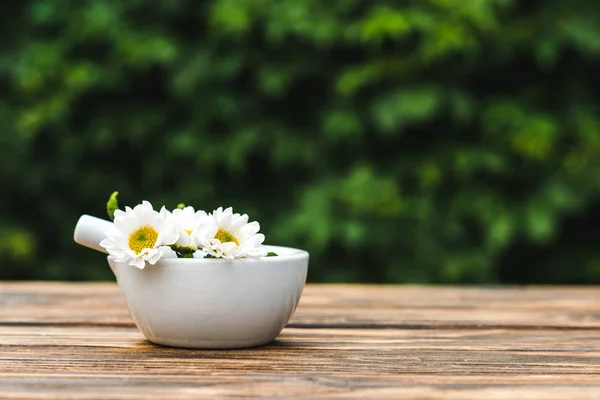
(586, 342)
(300, 386)
(82, 362)
(334, 306)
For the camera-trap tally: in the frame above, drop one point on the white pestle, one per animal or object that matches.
(90, 231)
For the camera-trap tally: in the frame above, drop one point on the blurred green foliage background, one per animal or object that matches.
(397, 141)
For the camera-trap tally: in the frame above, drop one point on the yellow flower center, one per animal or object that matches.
(188, 231)
(226, 237)
(144, 238)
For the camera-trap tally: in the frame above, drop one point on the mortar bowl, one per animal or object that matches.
(214, 303)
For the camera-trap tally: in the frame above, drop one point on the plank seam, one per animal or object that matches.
(334, 326)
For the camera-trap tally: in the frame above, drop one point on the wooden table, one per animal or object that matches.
(63, 340)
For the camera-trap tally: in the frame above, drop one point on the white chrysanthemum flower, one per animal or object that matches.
(140, 235)
(227, 235)
(187, 221)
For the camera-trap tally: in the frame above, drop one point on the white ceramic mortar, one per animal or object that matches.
(207, 303)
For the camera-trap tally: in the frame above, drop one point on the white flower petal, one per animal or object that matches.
(167, 252)
(138, 263)
(249, 229)
(154, 255)
(255, 240)
(119, 214)
(199, 254)
(238, 222)
(258, 251)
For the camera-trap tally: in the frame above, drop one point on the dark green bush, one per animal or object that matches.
(397, 141)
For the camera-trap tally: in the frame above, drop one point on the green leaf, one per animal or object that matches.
(385, 22)
(112, 205)
(271, 254)
(405, 107)
(540, 223)
(183, 252)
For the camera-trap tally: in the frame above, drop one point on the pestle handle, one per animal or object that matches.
(90, 231)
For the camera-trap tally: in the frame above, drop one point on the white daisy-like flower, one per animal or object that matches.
(187, 221)
(227, 235)
(140, 235)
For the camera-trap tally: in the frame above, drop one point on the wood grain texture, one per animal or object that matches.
(76, 341)
(336, 306)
